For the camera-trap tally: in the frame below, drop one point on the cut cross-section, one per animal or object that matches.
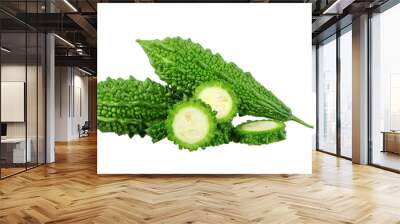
(191, 124)
(260, 132)
(220, 97)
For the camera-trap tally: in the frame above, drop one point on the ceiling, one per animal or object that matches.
(76, 21)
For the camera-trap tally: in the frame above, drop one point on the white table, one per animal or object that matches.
(18, 144)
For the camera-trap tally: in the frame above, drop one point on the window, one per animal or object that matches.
(346, 92)
(385, 89)
(327, 96)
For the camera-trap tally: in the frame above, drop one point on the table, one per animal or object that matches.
(17, 150)
(391, 141)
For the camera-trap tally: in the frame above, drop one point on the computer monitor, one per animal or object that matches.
(3, 129)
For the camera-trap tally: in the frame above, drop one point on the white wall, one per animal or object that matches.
(33, 127)
(70, 83)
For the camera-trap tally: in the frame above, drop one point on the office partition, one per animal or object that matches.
(23, 87)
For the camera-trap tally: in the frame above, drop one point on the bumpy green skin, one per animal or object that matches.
(157, 132)
(212, 121)
(228, 89)
(223, 134)
(184, 65)
(259, 137)
(129, 106)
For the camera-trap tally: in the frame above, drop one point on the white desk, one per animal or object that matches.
(19, 149)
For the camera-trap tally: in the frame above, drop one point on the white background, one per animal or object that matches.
(272, 41)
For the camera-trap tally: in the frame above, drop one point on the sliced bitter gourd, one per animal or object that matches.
(260, 132)
(223, 133)
(220, 97)
(191, 124)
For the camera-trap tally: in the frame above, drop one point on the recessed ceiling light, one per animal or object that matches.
(64, 40)
(338, 6)
(70, 5)
(5, 50)
(84, 71)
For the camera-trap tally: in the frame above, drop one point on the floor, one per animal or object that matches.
(5, 172)
(70, 191)
(387, 159)
(10, 171)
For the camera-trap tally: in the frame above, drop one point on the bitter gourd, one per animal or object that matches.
(220, 97)
(191, 124)
(129, 106)
(223, 134)
(259, 132)
(157, 132)
(184, 65)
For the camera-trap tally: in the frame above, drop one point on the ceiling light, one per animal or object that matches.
(70, 5)
(337, 7)
(5, 50)
(84, 71)
(65, 41)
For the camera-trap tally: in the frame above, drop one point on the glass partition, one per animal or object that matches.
(14, 153)
(22, 77)
(327, 96)
(346, 93)
(385, 89)
(32, 96)
(41, 97)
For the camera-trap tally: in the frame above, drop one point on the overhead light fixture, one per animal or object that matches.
(84, 71)
(64, 40)
(338, 6)
(70, 5)
(5, 50)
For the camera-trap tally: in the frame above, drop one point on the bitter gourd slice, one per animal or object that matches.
(260, 132)
(191, 124)
(220, 97)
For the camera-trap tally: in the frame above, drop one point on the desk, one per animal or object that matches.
(391, 141)
(16, 147)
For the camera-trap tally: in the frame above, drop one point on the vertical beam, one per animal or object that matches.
(50, 92)
(360, 90)
(316, 78)
(338, 91)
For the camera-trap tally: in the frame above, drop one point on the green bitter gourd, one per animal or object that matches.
(157, 132)
(129, 106)
(184, 65)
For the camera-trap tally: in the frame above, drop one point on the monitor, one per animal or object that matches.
(3, 129)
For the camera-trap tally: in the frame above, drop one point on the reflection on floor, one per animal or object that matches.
(386, 159)
(70, 191)
(11, 169)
